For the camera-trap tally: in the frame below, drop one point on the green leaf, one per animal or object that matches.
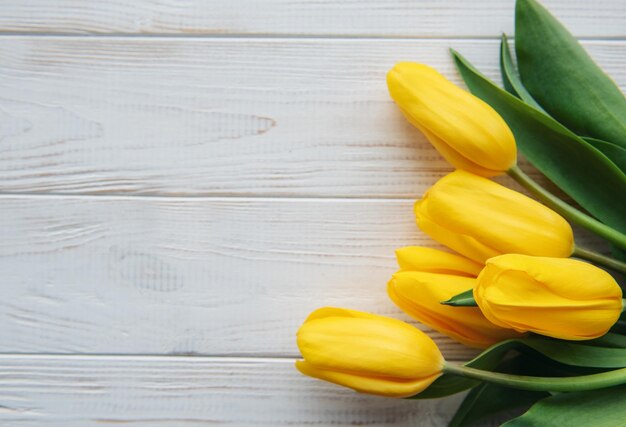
(620, 326)
(448, 384)
(489, 399)
(464, 299)
(563, 78)
(614, 152)
(620, 255)
(609, 340)
(609, 356)
(568, 355)
(571, 163)
(490, 357)
(598, 408)
(576, 354)
(514, 86)
(510, 78)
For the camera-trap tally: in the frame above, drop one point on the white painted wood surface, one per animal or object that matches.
(209, 276)
(243, 117)
(189, 178)
(369, 18)
(173, 391)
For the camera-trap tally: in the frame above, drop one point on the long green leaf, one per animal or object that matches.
(510, 78)
(598, 408)
(448, 384)
(620, 255)
(513, 84)
(609, 340)
(579, 169)
(563, 78)
(620, 326)
(489, 399)
(614, 152)
(492, 356)
(575, 354)
(603, 354)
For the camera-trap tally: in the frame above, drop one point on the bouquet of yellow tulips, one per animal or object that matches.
(546, 311)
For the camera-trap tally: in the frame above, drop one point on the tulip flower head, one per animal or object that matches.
(556, 297)
(481, 219)
(368, 353)
(465, 130)
(438, 276)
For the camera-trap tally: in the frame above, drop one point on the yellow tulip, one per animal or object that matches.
(556, 297)
(481, 219)
(419, 294)
(466, 131)
(367, 353)
(429, 260)
(428, 276)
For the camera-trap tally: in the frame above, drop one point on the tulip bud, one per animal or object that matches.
(482, 219)
(466, 131)
(420, 294)
(368, 353)
(556, 297)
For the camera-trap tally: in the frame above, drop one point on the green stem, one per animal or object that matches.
(562, 384)
(600, 259)
(567, 211)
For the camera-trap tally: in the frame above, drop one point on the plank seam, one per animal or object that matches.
(285, 36)
(160, 357)
(217, 198)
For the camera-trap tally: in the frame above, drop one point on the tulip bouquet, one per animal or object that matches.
(546, 311)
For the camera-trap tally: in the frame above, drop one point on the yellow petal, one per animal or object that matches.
(561, 298)
(383, 386)
(482, 219)
(464, 244)
(417, 258)
(323, 312)
(450, 154)
(380, 347)
(466, 130)
(420, 294)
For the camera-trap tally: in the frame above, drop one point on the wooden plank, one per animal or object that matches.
(424, 18)
(159, 391)
(222, 117)
(145, 275)
(216, 276)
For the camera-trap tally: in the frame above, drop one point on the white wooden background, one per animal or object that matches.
(182, 181)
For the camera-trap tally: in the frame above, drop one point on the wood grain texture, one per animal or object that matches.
(403, 18)
(178, 276)
(238, 117)
(220, 105)
(209, 276)
(159, 391)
